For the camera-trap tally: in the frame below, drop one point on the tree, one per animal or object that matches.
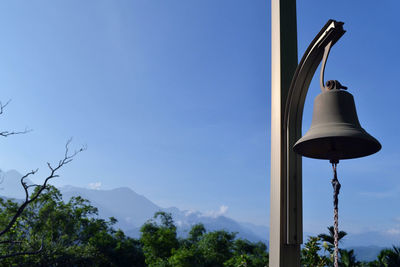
(328, 243)
(71, 235)
(246, 253)
(10, 220)
(330, 237)
(348, 259)
(310, 254)
(161, 247)
(159, 239)
(216, 247)
(186, 257)
(388, 258)
(196, 233)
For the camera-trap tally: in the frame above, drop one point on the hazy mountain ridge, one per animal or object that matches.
(132, 210)
(366, 253)
(10, 184)
(129, 208)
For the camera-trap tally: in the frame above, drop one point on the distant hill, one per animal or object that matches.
(10, 184)
(366, 253)
(129, 208)
(132, 209)
(371, 238)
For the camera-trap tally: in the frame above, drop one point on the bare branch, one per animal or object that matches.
(7, 133)
(3, 106)
(67, 159)
(24, 185)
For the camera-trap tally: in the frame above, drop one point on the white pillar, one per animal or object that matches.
(284, 248)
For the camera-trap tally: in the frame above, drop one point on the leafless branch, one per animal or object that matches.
(3, 106)
(29, 199)
(7, 133)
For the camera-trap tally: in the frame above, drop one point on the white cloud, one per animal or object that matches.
(223, 209)
(393, 231)
(95, 186)
(390, 193)
(189, 212)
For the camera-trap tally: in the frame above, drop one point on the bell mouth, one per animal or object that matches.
(337, 147)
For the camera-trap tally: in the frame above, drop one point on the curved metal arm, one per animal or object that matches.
(323, 63)
(327, 37)
(331, 84)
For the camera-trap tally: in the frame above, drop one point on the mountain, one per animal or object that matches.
(10, 184)
(129, 208)
(132, 210)
(186, 219)
(366, 253)
(375, 238)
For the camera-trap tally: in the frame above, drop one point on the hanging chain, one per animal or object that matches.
(336, 188)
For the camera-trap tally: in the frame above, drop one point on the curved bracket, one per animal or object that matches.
(331, 84)
(323, 63)
(327, 37)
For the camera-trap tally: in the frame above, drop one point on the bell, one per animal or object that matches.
(335, 131)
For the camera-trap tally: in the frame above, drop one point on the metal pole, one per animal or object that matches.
(283, 66)
(289, 86)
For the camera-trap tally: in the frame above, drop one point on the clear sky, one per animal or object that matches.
(172, 99)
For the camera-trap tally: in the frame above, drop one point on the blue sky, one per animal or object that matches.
(172, 99)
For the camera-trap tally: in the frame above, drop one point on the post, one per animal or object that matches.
(289, 87)
(284, 251)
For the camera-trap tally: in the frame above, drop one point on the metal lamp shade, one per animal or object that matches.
(335, 131)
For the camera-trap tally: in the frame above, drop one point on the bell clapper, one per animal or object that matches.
(336, 189)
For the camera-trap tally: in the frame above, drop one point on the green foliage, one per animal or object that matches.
(248, 254)
(387, 258)
(310, 254)
(196, 233)
(330, 238)
(186, 257)
(201, 249)
(348, 259)
(159, 239)
(316, 254)
(216, 247)
(70, 235)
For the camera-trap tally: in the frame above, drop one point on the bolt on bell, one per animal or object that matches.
(335, 131)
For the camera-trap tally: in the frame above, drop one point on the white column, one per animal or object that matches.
(284, 250)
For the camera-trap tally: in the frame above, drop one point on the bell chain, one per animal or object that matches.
(336, 188)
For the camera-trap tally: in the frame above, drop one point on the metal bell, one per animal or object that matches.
(335, 131)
